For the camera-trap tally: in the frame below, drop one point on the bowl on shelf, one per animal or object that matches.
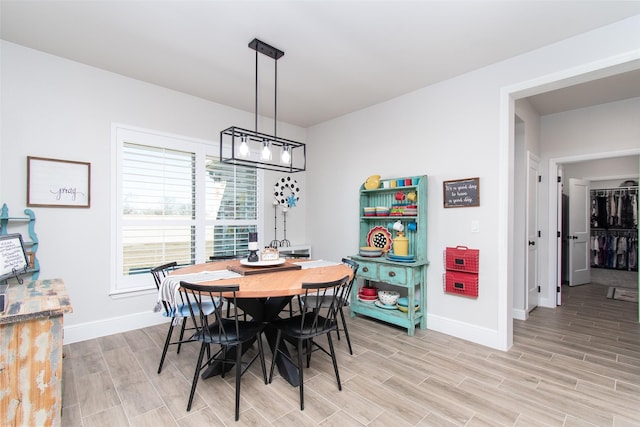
(410, 210)
(403, 304)
(368, 291)
(369, 211)
(382, 211)
(370, 251)
(405, 309)
(388, 297)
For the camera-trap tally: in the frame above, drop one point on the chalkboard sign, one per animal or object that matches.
(461, 193)
(13, 259)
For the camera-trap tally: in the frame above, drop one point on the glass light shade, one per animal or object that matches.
(285, 157)
(244, 147)
(266, 151)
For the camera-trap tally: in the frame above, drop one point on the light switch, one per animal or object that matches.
(475, 226)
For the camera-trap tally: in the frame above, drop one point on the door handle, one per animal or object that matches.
(532, 243)
(365, 269)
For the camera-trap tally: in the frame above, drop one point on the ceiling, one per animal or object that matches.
(340, 56)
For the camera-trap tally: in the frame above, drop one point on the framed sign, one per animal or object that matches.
(13, 259)
(58, 183)
(461, 193)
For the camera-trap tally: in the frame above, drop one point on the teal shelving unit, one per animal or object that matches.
(17, 224)
(408, 277)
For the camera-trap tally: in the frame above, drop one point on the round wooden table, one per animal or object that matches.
(263, 295)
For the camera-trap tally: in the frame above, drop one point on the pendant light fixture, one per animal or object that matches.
(255, 149)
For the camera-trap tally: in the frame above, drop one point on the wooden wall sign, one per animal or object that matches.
(58, 183)
(461, 193)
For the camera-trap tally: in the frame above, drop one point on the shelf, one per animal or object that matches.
(25, 226)
(395, 317)
(409, 277)
(389, 217)
(390, 190)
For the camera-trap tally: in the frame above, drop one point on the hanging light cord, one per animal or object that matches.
(275, 101)
(256, 107)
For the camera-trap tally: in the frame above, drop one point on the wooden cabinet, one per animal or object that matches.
(31, 330)
(409, 278)
(24, 225)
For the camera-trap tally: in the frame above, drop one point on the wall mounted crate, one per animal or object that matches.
(461, 258)
(461, 275)
(461, 283)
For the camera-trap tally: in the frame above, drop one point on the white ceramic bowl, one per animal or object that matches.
(388, 297)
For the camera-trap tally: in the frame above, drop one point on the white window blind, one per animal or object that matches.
(158, 207)
(175, 202)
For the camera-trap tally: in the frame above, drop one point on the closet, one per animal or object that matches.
(614, 227)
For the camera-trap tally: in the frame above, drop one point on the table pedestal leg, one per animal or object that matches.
(263, 310)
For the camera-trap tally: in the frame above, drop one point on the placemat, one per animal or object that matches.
(246, 270)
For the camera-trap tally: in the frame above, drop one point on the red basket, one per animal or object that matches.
(462, 259)
(461, 283)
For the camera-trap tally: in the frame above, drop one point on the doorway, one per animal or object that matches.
(613, 236)
(510, 184)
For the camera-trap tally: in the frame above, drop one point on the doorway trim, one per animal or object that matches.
(508, 95)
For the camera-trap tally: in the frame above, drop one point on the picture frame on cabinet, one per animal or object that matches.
(58, 183)
(13, 257)
(461, 193)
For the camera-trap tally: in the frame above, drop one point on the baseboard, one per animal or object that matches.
(110, 326)
(547, 302)
(466, 331)
(519, 314)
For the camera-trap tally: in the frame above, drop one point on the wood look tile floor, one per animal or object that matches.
(576, 365)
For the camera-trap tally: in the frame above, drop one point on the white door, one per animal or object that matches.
(531, 220)
(579, 230)
(559, 233)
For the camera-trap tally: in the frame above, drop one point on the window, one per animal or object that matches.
(175, 201)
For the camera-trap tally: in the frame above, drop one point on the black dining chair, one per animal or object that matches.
(343, 300)
(215, 258)
(294, 255)
(228, 333)
(314, 320)
(178, 313)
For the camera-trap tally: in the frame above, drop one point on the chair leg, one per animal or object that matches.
(335, 361)
(194, 383)
(346, 330)
(300, 374)
(238, 375)
(166, 346)
(184, 323)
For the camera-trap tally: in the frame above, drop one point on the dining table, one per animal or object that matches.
(264, 291)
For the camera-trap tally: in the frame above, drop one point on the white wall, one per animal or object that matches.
(604, 173)
(449, 130)
(52, 107)
(454, 129)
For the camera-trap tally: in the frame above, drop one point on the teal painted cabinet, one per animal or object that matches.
(408, 278)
